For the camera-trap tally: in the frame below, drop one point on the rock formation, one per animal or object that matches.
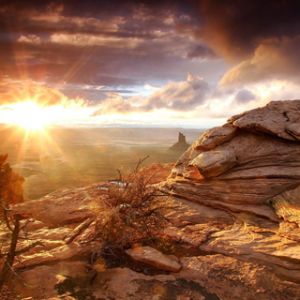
(245, 179)
(232, 211)
(181, 144)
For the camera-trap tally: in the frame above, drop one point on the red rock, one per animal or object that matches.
(154, 258)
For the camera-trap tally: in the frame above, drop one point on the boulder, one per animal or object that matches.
(214, 163)
(214, 137)
(155, 258)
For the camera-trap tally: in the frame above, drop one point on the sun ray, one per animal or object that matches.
(77, 66)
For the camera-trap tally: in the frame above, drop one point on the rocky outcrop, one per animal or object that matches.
(279, 118)
(181, 144)
(231, 230)
(249, 171)
(219, 255)
(211, 277)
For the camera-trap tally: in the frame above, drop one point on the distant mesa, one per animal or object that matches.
(181, 144)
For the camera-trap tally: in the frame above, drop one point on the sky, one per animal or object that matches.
(147, 63)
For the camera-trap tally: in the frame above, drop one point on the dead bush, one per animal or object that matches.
(132, 214)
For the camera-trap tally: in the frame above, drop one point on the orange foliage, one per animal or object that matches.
(11, 184)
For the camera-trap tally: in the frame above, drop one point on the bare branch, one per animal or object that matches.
(12, 251)
(81, 227)
(5, 216)
(138, 165)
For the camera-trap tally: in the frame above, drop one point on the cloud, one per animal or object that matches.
(236, 28)
(83, 40)
(182, 95)
(261, 38)
(177, 96)
(30, 38)
(273, 59)
(17, 91)
(115, 103)
(195, 98)
(126, 44)
(201, 51)
(244, 96)
(89, 42)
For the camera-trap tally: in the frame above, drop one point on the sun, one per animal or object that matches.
(30, 116)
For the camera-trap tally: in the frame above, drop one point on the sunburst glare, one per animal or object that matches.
(30, 116)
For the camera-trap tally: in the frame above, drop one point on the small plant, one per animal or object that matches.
(132, 214)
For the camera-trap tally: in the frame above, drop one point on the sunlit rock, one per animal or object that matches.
(155, 258)
(214, 163)
(214, 137)
(231, 226)
(250, 169)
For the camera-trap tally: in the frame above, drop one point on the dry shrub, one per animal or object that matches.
(132, 214)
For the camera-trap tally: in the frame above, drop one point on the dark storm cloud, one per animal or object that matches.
(272, 59)
(134, 42)
(236, 28)
(95, 42)
(261, 37)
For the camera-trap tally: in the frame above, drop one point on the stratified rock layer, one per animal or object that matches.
(249, 169)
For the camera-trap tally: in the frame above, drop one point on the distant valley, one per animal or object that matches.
(71, 157)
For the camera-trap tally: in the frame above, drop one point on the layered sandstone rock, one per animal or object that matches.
(248, 170)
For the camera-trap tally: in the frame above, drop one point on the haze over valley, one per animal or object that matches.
(72, 157)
